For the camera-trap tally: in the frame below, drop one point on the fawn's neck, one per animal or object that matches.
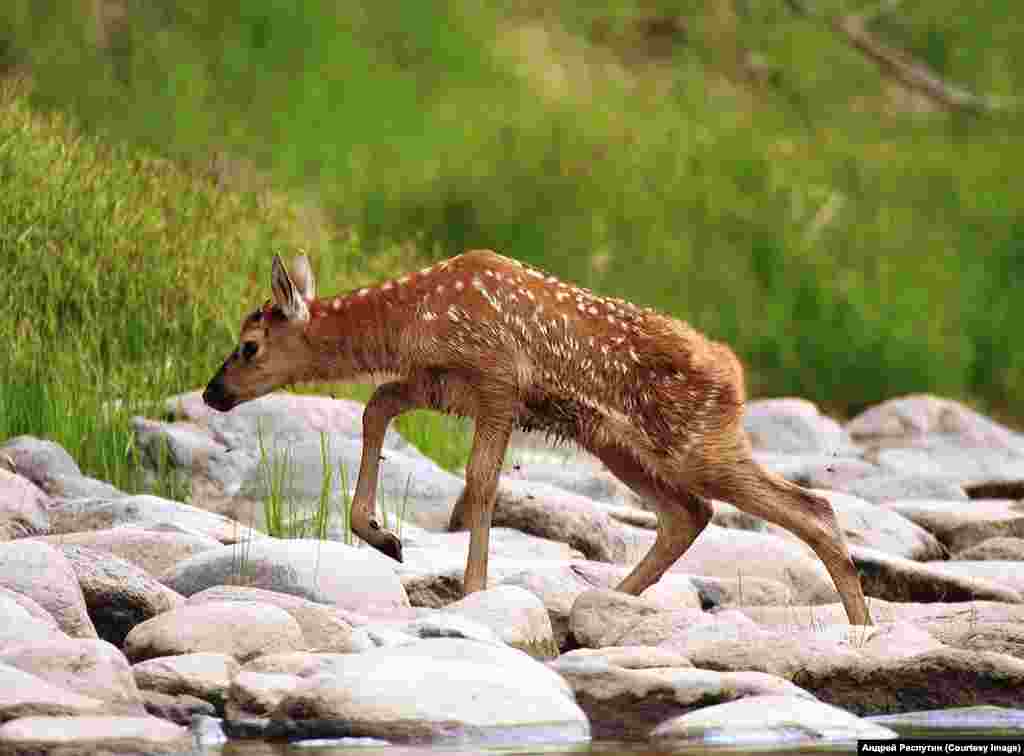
(360, 334)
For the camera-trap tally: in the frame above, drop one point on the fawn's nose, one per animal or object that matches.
(217, 396)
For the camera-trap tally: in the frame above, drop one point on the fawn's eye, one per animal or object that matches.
(249, 349)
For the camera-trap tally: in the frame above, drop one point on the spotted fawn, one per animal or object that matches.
(484, 336)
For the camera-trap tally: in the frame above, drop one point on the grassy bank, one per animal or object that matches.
(737, 164)
(125, 276)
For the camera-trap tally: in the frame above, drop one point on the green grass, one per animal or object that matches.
(124, 279)
(285, 517)
(850, 247)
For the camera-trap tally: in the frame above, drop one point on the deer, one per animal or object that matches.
(487, 337)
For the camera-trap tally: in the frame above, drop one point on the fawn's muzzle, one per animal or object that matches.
(217, 396)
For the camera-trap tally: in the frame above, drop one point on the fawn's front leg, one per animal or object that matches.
(387, 402)
(476, 505)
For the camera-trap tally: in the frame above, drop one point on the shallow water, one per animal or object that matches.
(604, 748)
(594, 748)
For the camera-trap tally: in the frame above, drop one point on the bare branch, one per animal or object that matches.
(912, 74)
(898, 64)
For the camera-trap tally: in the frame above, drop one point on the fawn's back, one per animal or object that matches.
(584, 368)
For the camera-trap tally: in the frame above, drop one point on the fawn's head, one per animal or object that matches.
(273, 348)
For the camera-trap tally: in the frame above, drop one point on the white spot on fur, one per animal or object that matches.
(336, 304)
(387, 286)
(404, 280)
(459, 286)
(440, 289)
(362, 292)
(428, 315)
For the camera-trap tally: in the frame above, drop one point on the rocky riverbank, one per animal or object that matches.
(136, 623)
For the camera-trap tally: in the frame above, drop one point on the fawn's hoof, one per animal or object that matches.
(390, 544)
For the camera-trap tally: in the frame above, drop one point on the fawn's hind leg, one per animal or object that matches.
(805, 514)
(682, 515)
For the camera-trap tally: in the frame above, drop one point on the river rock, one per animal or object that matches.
(279, 417)
(41, 572)
(889, 486)
(558, 515)
(118, 594)
(793, 426)
(997, 489)
(969, 625)
(296, 430)
(23, 507)
(826, 471)
(184, 450)
(881, 669)
(434, 563)
(152, 550)
(896, 579)
(76, 515)
(603, 617)
(49, 466)
(240, 629)
(429, 624)
(94, 734)
(972, 465)
(866, 524)
(558, 586)
(490, 693)
(255, 695)
(504, 543)
(985, 721)
(204, 675)
(585, 476)
(903, 420)
(18, 626)
(323, 627)
(89, 667)
(23, 603)
(999, 548)
(362, 580)
(1005, 573)
(722, 593)
(628, 691)
(23, 694)
(960, 525)
(37, 459)
(181, 709)
(517, 616)
(770, 720)
(739, 554)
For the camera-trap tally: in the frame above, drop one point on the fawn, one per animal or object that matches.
(485, 336)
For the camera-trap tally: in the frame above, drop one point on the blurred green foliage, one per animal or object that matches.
(734, 163)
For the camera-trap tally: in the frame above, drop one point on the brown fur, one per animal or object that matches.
(484, 336)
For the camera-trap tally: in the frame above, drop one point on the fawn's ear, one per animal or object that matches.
(287, 294)
(302, 277)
